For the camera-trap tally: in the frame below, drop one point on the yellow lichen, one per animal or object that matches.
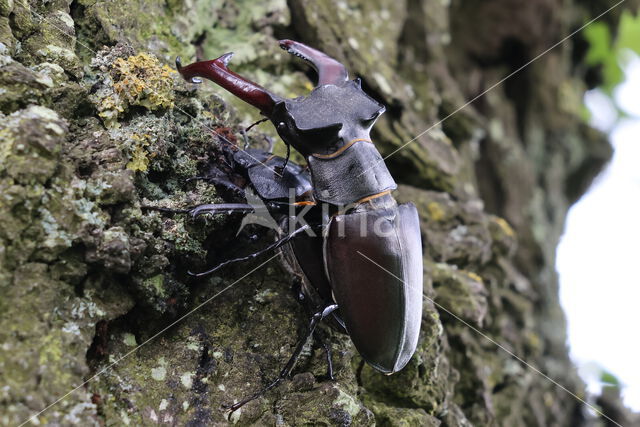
(533, 340)
(504, 225)
(5, 144)
(208, 114)
(142, 80)
(435, 211)
(109, 109)
(139, 154)
(474, 276)
(138, 80)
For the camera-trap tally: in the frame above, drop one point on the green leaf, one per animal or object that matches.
(609, 53)
(599, 38)
(608, 379)
(629, 32)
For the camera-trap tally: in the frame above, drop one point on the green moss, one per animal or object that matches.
(155, 286)
(435, 211)
(44, 330)
(390, 416)
(27, 153)
(461, 292)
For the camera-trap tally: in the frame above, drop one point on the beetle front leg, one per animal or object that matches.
(222, 208)
(286, 371)
(165, 210)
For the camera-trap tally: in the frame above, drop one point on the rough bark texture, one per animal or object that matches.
(93, 126)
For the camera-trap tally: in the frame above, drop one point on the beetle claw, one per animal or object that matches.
(329, 70)
(226, 58)
(217, 71)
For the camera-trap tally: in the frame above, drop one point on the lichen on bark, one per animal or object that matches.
(95, 127)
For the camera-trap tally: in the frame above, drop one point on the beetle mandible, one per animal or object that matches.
(346, 189)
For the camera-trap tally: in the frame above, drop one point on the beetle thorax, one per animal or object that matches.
(327, 119)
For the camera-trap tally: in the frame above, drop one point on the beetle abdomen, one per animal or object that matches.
(382, 309)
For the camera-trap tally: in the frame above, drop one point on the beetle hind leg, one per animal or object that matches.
(286, 371)
(322, 339)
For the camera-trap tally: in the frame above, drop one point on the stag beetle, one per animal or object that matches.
(345, 189)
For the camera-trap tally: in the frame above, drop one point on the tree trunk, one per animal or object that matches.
(98, 309)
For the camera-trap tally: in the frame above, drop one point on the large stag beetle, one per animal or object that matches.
(345, 193)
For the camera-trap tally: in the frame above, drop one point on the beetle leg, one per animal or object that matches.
(327, 351)
(197, 178)
(271, 247)
(286, 160)
(222, 208)
(286, 371)
(166, 210)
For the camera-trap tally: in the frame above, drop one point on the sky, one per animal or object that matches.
(598, 257)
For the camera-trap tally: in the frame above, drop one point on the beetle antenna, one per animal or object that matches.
(286, 159)
(256, 123)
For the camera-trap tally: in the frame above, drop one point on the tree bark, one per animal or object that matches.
(97, 306)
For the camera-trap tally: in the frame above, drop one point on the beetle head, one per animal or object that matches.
(334, 113)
